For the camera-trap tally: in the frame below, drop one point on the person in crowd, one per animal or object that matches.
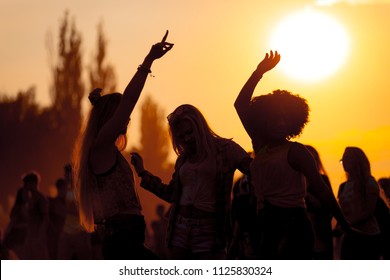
(384, 184)
(16, 231)
(104, 182)
(382, 214)
(358, 198)
(74, 242)
(244, 238)
(281, 168)
(57, 216)
(319, 215)
(200, 188)
(38, 219)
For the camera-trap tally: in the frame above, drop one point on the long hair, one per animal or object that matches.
(204, 135)
(85, 180)
(360, 169)
(317, 158)
(360, 165)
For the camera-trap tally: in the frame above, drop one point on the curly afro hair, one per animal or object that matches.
(269, 108)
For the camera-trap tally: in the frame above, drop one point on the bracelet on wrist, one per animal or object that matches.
(144, 69)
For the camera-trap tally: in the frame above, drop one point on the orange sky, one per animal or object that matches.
(217, 45)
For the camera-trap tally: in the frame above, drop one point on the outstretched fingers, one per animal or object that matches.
(270, 60)
(165, 37)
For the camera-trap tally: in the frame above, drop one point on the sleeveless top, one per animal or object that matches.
(115, 193)
(275, 181)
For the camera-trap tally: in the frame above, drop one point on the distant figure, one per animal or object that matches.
(57, 216)
(384, 184)
(38, 219)
(5, 252)
(280, 168)
(358, 197)
(244, 241)
(200, 188)
(382, 215)
(159, 228)
(104, 182)
(74, 241)
(16, 231)
(319, 215)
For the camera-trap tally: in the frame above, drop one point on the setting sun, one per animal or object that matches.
(313, 45)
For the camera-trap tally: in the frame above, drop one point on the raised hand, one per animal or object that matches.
(161, 48)
(137, 161)
(270, 61)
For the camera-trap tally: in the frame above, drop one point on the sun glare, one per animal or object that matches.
(312, 45)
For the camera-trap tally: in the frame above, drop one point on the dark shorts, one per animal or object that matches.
(124, 238)
(196, 235)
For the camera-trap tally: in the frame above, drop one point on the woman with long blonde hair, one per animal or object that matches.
(200, 188)
(104, 183)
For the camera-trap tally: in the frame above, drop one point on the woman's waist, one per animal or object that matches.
(190, 211)
(104, 208)
(270, 209)
(113, 217)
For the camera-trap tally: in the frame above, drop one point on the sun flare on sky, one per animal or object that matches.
(312, 45)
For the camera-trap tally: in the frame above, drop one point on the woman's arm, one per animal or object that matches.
(301, 159)
(244, 97)
(151, 182)
(117, 124)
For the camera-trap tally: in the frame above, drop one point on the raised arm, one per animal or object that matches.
(244, 97)
(118, 122)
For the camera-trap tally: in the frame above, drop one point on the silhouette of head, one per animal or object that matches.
(61, 187)
(190, 132)
(356, 163)
(384, 183)
(103, 109)
(31, 181)
(278, 115)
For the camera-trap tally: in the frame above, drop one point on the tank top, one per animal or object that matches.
(275, 181)
(115, 193)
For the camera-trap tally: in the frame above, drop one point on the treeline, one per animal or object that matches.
(42, 138)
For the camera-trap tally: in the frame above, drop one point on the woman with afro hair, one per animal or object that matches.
(280, 167)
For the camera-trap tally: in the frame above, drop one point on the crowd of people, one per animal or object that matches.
(281, 208)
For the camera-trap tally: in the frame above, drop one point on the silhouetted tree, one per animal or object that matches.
(155, 145)
(19, 124)
(68, 87)
(154, 148)
(37, 138)
(102, 74)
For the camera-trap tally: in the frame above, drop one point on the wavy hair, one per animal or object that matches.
(295, 110)
(85, 180)
(317, 158)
